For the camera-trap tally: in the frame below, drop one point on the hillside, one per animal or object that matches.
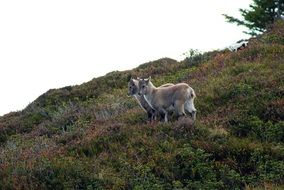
(93, 136)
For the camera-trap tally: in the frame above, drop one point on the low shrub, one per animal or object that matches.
(253, 127)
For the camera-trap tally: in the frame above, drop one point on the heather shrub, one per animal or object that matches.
(93, 136)
(253, 127)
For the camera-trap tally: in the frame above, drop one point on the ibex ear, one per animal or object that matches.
(147, 80)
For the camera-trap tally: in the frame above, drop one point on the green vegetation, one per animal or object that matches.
(259, 16)
(93, 136)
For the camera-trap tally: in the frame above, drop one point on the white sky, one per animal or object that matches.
(55, 43)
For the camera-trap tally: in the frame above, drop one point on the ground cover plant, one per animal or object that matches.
(93, 136)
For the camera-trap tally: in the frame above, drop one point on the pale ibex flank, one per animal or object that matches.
(180, 96)
(133, 90)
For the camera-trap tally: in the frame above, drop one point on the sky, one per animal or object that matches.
(56, 43)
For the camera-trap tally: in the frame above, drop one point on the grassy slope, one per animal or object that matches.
(94, 136)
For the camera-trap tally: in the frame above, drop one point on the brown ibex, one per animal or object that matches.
(133, 90)
(180, 96)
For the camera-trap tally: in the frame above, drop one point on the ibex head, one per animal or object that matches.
(132, 87)
(144, 86)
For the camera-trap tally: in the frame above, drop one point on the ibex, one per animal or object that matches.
(180, 96)
(133, 91)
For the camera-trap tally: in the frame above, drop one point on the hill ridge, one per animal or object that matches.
(93, 136)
